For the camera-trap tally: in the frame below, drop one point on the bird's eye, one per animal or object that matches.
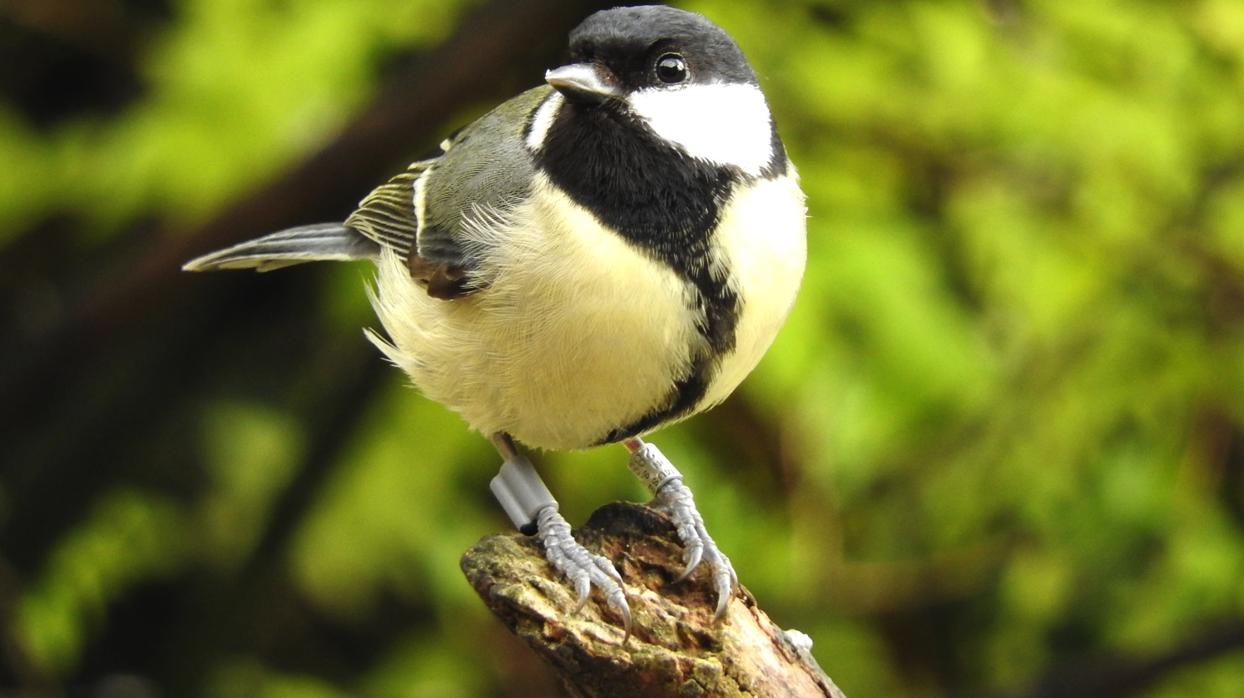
(671, 69)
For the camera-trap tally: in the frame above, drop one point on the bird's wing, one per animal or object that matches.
(442, 215)
(387, 216)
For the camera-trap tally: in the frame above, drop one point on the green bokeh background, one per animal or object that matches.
(998, 445)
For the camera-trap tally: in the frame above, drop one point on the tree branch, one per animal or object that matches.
(675, 649)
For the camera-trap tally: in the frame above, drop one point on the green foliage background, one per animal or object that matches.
(1000, 439)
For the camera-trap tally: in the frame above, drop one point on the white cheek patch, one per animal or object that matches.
(543, 120)
(725, 124)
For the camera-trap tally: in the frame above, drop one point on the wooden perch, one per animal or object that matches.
(675, 647)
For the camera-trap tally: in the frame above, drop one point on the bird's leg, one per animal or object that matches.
(530, 505)
(673, 498)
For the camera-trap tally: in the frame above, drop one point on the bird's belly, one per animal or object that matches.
(577, 334)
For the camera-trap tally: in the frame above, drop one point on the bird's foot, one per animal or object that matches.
(675, 501)
(673, 498)
(583, 568)
(530, 505)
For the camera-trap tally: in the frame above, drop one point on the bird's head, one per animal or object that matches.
(671, 71)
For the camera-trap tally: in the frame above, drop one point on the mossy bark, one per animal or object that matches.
(675, 647)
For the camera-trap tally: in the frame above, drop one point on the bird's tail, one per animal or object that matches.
(309, 243)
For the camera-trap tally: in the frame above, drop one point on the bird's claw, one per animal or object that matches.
(693, 554)
(675, 500)
(583, 568)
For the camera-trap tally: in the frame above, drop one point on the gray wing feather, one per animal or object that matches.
(308, 243)
(485, 168)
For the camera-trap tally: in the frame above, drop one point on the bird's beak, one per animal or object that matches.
(584, 82)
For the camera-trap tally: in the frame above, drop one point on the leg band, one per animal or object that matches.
(521, 492)
(651, 466)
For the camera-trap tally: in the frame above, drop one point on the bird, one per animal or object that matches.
(596, 258)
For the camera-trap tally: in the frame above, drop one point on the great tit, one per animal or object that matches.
(594, 259)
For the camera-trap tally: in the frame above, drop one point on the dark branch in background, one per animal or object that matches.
(676, 649)
(1121, 676)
